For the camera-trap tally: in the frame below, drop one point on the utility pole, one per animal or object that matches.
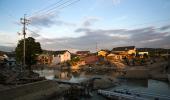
(96, 47)
(25, 22)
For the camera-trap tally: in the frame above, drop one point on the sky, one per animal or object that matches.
(87, 24)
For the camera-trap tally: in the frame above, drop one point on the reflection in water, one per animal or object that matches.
(151, 86)
(64, 75)
(59, 74)
(48, 74)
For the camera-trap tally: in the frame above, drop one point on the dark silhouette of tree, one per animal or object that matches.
(32, 49)
(145, 56)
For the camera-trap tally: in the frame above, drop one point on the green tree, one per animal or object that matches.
(32, 49)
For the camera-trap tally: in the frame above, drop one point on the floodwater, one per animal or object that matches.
(147, 86)
(150, 88)
(62, 74)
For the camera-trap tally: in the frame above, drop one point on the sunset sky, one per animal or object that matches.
(80, 24)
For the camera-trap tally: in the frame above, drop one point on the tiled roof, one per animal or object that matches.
(60, 52)
(54, 52)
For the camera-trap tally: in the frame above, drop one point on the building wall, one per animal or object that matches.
(142, 53)
(115, 57)
(61, 58)
(65, 57)
(44, 59)
(56, 60)
(102, 53)
(82, 53)
(91, 59)
(132, 52)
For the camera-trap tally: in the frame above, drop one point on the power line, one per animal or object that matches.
(41, 10)
(68, 5)
(58, 5)
(31, 31)
(48, 11)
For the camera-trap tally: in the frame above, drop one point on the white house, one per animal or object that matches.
(61, 56)
(142, 53)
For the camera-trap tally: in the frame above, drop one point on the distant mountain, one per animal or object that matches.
(7, 48)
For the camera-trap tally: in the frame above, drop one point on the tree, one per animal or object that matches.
(32, 49)
(145, 55)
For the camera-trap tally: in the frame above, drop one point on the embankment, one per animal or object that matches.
(31, 91)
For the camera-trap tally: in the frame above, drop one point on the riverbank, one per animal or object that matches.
(41, 90)
(155, 71)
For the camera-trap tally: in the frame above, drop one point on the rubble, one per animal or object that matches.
(104, 83)
(15, 76)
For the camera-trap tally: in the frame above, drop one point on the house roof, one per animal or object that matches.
(126, 48)
(47, 52)
(54, 52)
(60, 52)
(106, 50)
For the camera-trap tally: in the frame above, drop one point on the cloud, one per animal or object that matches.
(35, 35)
(8, 39)
(82, 30)
(120, 35)
(43, 20)
(116, 2)
(48, 20)
(88, 21)
(152, 40)
(106, 38)
(166, 27)
(109, 38)
(60, 22)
